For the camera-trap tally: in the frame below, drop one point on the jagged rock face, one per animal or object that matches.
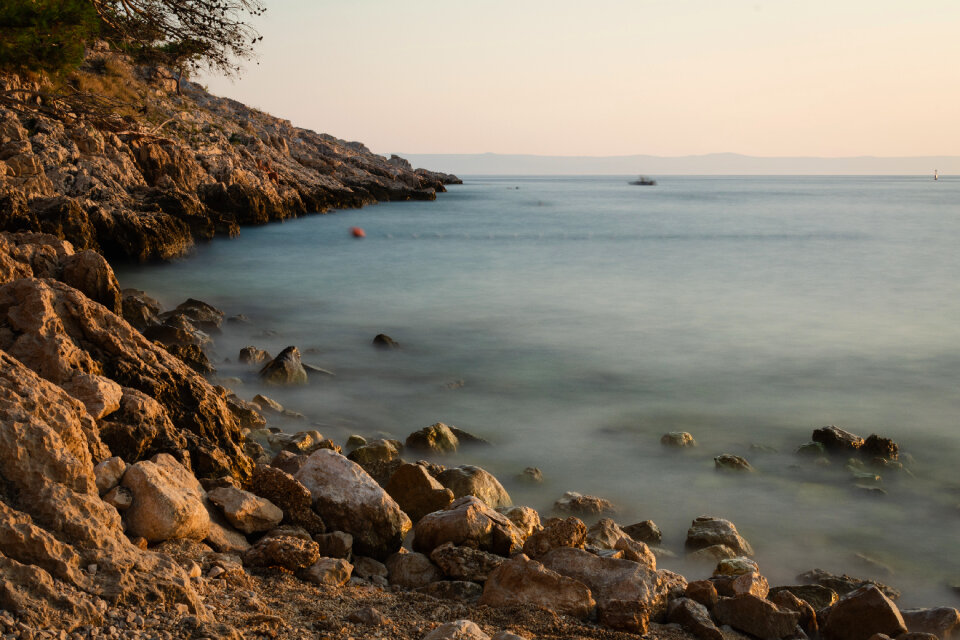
(25, 255)
(52, 521)
(216, 164)
(56, 331)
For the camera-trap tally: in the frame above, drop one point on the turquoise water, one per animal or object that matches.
(585, 317)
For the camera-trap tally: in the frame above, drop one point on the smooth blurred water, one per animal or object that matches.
(586, 317)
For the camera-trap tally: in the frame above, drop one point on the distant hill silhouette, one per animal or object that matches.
(709, 164)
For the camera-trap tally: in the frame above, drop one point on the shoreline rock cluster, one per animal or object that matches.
(131, 483)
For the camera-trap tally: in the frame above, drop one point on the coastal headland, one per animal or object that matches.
(141, 499)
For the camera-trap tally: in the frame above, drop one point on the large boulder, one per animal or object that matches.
(469, 480)
(285, 369)
(707, 531)
(468, 522)
(522, 581)
(417, 492)
(629, 595)
(349, 500)
(53, 522)
(58, 332)
(167, 501)
(862, 613)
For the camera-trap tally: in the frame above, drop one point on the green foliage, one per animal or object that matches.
(45, 35)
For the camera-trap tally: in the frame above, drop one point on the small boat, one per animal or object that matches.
(644, 181)
(357, 232)
(935, 176)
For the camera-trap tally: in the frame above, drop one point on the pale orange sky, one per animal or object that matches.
(671, 77)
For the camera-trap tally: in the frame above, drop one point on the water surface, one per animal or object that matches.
(572, 321)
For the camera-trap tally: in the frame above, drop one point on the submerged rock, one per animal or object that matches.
(469, 480)
(581, 505)
(730, 462)
(383, 341)
(836, 440)
(707, 531)
(678, 439)
(285, 369)
(436, 439)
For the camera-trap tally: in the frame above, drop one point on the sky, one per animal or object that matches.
(613, 77)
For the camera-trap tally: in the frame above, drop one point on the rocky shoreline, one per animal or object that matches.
(138, 499)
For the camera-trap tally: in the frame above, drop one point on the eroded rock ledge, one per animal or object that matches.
(191, 166)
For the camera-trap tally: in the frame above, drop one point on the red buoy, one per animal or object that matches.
(357, 232)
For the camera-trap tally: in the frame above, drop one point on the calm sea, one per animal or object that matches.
(574, 320)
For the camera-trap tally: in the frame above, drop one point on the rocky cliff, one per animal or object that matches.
(176, 167)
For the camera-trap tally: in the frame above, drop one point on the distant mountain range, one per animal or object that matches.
(709, 164)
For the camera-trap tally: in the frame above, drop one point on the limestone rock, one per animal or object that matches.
(808, 616)
(578, 504)
(526, 519)
(58, 332)
(120, 498)
(639, 593)
(457, 630)
(167, 501)
(862, 613)
(647, 532)
(417, 492)
(467, 522)
(571, 532)
(412, 570)
(267, 405)
(101, 396)
(245, 511)
(752, 583)
(335, 544)
(605, 534)
(289, 495)
(702, 591)
(108, 473)
(836, 440)
(252, 355)
(756, 616)
(730, 462)
(383, 341)
(522, 581)
(843, 584)
(736, 566)
(436, 439)
(943, 622)
(48, 446)
(678, 439)
(379, 458)
(706, 531)
(349, 500)
(880, 447)
(285, 369)
(818, 596)
(693, 617)
(288, 552)
(464, 563)
(368, 568)
(330, 572)
(469, 480)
